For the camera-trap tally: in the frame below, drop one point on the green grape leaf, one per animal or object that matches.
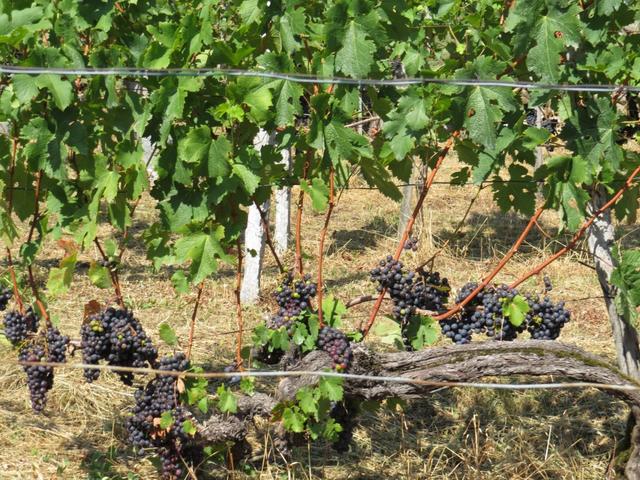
(333, 309)
(99, 275)
(516, 310)
(60, 278)
(227, 401)
(318, 191)
(388, 330)
(193, 147)
(189, 428)
(180, 282)
(293, 420)
(166, 420)
(250, 181)
(355, 58)
(167, 334)
(61, 90)
(307, 401)
(219, 151)
(331, 388)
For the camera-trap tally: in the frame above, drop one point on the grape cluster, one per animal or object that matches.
(160, 395)
(17, 327)
(336, 344)
(293, 298)
(550, 124)
(49, 346)
(344, 414)
(5, 295)
(484, 314)
(547, 284)
(411, 244)
(411, 290)
(545, 319)
(110, 264)
(116, 336)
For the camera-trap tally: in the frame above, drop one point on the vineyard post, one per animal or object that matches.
(283, 210)
(600, 239)
(254, 240)
(408, 192)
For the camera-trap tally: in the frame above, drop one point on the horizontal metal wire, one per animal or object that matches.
(345, 376)
(304, 78)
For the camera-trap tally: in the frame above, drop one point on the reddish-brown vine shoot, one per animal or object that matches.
(194, 315)
(323, 235)
(267, 237)
(298, 257)
(585, 225)
(409, 227)
(512, 251)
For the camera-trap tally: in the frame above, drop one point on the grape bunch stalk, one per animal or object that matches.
(118, 338)
(293, 299)
(47, 346)
(172, 443)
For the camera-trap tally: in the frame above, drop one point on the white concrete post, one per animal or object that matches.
(283, 211)
(254, 241)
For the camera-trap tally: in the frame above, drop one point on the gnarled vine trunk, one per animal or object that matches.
(454, 363)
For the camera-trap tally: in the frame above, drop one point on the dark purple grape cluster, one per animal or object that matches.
(110, 264)
(336, 344)
(548, 286)
(532, 117)
(49, 346)
(117, 337)
(410, 291)
(344, 413)
(17, 327)
(546, 319)
(411, 244)
(484, 314)
(160, 395)
(5, 295)
(293, 299)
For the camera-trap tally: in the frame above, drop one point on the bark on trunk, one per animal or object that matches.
(451, 363)
(600, 238)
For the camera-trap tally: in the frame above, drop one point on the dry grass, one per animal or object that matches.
(452, 434)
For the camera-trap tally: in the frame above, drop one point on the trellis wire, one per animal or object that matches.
(346, 376)
(312, 79)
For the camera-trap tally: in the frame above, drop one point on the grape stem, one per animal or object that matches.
(298, 258)
(32, 282)
(12, 272)
(194, 314)
(409, 227)
(323, 235)
(585, 225)
(115, 280)
(267, 236)
(125, 233)
(239, 318)
(512, 251)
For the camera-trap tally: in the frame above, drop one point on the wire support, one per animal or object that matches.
(311, 79)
